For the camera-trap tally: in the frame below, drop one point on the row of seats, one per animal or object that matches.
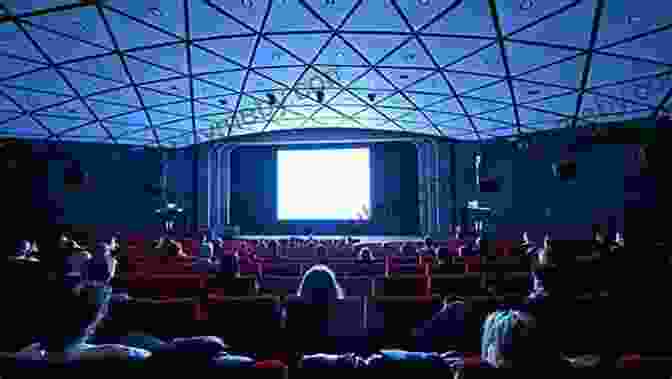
(354, 324)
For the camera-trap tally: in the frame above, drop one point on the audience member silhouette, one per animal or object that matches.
(319, 284)
(102, 266)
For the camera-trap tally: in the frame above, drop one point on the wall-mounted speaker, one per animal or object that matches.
(564, 170)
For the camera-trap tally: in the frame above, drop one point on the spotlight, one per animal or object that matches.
(423, 2)
(372, 97)
(271, 98)
(320, 96)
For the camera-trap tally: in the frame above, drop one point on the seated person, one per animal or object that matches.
(428, 249)
(76, 260)
(25, 251)
(472, 246)
(102, 266)
(526, 247)
(515, 339)
(229, 266)
(319, 284)
(365, 256)
(205, 263)
(64, 338)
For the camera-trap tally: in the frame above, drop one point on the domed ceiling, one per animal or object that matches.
(178, 72)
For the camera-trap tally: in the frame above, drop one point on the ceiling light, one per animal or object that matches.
(329, 3)
(404, 76)
(247, 3)
(526, 5)
(372, 97)
(633, 20)
(424, 3)
(320, 96)
(340, 55)
(155, 12)
(410, 57)
(271, 98)
(533, 92)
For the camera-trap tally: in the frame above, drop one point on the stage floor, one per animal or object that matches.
(326, 237)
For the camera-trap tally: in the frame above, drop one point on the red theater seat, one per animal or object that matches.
(166, 285)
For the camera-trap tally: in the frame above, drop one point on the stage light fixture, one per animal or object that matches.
(526, 5)
(372, 97)
(271, 98)
(320, 96)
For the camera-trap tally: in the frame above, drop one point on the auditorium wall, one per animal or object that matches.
(115, 196)
(533, 199)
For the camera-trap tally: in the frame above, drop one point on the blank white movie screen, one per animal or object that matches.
(329, 184)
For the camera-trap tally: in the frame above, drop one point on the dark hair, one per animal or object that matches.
(429, 242)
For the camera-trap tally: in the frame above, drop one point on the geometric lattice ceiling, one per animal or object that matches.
(178, 72)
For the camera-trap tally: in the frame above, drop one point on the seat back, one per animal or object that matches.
(165, 318)
(280, 285)
(166, 285)
(406, 285)
(457, 284)
(357, 286)
(391, 319)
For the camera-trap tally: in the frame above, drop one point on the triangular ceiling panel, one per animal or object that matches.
(333, 12)
(411, 55)
(12, 66)
(159, 118)
(37, 80)
(108, 67)
(450, 105)
(304, 46)
(183, 109)
(554, 30)
(59, 124)
(562, 104)
(104, 109)
(486, 61)
(476, 106)
(283, 75)
(14, 42)
(485, 126)
(92, 130)
(497, 92)
(649, 92)
(457, 126)
(566, 74)
(203, 61)
(205, 89)
(442, 117)
(648, 47)
(375, 46)
(421, 12)
(186, 139)
(341, 76)
(60, 48)
(425, 99)
(220, 25)
(468, 18)
(250, 13)
(526, 57)
(86, 84)
(135, 118)
(288, 16)
(144, 72)
(372, 81)
(396, 101)
(232, 80)
(447, 50)
(177, 87)
(152, 98)
(145, 134)
(224, 102)
(625, 19)
(515, 14)
(182, 125)
(124, 96)
(31, 100)
(8, 106)
(171, 57)
(257, 82)
(7, 115)
(267, 54)
(237, 49)
(133, 141)
(527, 91)
(82, 23)
(23, 127)
(167, 15)
(501, 132)
(346, 98)
(597, 105)
(72, 109)
(464, 82)
(167, 134)
(504, 115)
(609, 69)
(201, 109)
(339, 53)
(377, 15)
(531, 117)
(131, 34)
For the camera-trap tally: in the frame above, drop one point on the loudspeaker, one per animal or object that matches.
(488, 184)
(565, 170)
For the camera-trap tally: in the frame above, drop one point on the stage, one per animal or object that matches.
(334, 237)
